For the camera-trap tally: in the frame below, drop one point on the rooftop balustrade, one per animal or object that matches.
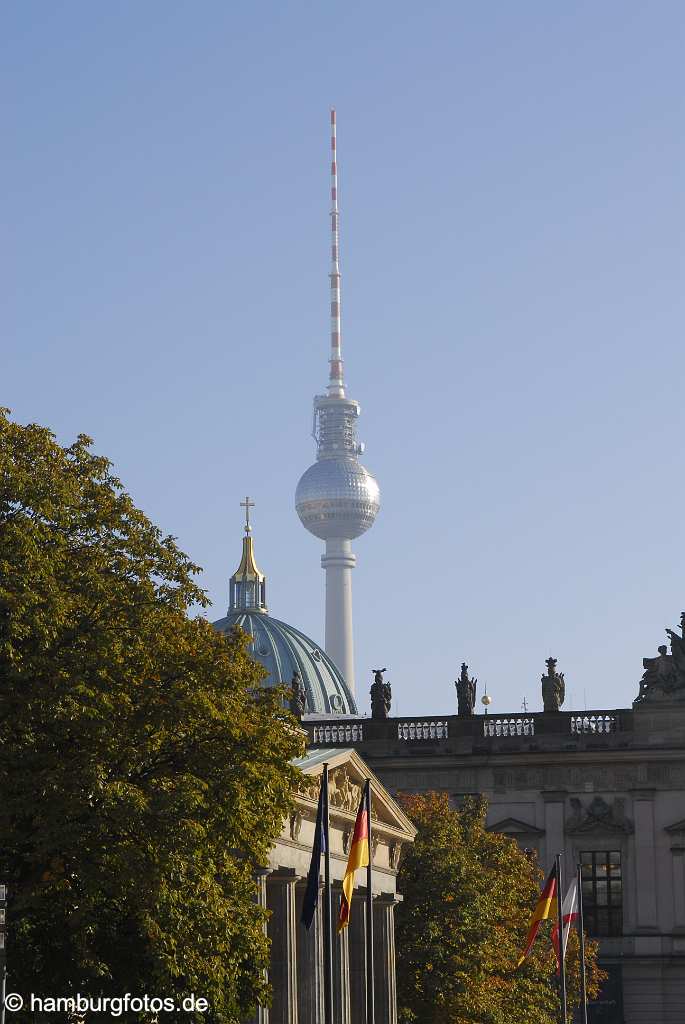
(508, 726)
(337, 735)
(537, 727)
(426, 729)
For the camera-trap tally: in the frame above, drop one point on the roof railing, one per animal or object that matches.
(334, 735)
(523, 725)
(426, 729)
(430, 729)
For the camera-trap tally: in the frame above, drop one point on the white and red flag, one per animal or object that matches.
(569, 914)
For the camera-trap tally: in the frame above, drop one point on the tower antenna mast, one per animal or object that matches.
(335, 376)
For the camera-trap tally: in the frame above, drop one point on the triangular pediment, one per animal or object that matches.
(347, 773)
(678, 826)
(515, 827)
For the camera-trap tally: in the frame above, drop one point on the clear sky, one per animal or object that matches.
(511, 188)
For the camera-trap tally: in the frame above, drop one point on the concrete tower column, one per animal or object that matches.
(338, 563)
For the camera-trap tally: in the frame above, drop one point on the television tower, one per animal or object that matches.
(337, 499)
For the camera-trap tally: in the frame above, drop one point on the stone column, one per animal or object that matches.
(341, 964)
(385, 988)
(280, 891)
(262, 1014)
(310, 977)
(645, 861)
(358, 930)
(555, 801)
(678, 853)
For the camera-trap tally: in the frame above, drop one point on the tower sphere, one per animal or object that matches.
(337, 499)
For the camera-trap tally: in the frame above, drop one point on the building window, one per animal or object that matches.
(602, 892)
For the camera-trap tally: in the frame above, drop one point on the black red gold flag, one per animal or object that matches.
(358, 858)
(546, 908)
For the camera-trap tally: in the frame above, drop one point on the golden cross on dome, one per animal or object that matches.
(247, 505)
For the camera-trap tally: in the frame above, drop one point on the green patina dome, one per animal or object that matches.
(282, 649)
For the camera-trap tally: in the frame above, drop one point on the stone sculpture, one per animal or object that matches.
(663, 678)
(553, 687)
(394, 855)
(342, 791)
(309, 786)
(598, 816)
(466, 692)
(295, 825)
(298, 700)
(381, 695)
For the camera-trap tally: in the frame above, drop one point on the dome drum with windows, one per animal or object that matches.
(281, 649)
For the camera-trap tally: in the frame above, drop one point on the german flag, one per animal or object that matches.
(546, 908)
(358, 858)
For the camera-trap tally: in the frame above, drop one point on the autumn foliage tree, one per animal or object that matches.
(468, 898)
(143, 772)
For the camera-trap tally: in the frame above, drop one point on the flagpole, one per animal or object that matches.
(562, 958)
(328, 919)
(581, 939)
(370, 997)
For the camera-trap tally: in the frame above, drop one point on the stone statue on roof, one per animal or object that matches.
(381, 695)
(553, 687)
(663, 678)
(466, 692)
(678, 647)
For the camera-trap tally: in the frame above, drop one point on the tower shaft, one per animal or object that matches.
(338, 563)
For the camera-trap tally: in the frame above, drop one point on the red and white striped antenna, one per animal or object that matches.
(335, 378)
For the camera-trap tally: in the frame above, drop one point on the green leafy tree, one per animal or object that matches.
(143, 772)
(469, 896)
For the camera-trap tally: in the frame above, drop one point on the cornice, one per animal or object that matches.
(537, 757)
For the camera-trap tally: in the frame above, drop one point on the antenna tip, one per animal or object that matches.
(332, 115)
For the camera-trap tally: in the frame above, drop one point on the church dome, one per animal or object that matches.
(282, 649)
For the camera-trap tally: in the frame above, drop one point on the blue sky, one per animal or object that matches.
(512, 238)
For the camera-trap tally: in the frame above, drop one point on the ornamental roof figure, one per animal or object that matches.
(466, 692)
(664, 676)
(553, 686)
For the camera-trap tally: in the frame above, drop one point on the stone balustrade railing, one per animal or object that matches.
(519, 726)
(546, 728)
(337, 735)
(427, 729)
(593, 723)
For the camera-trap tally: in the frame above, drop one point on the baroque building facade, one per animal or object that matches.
(605, 788)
